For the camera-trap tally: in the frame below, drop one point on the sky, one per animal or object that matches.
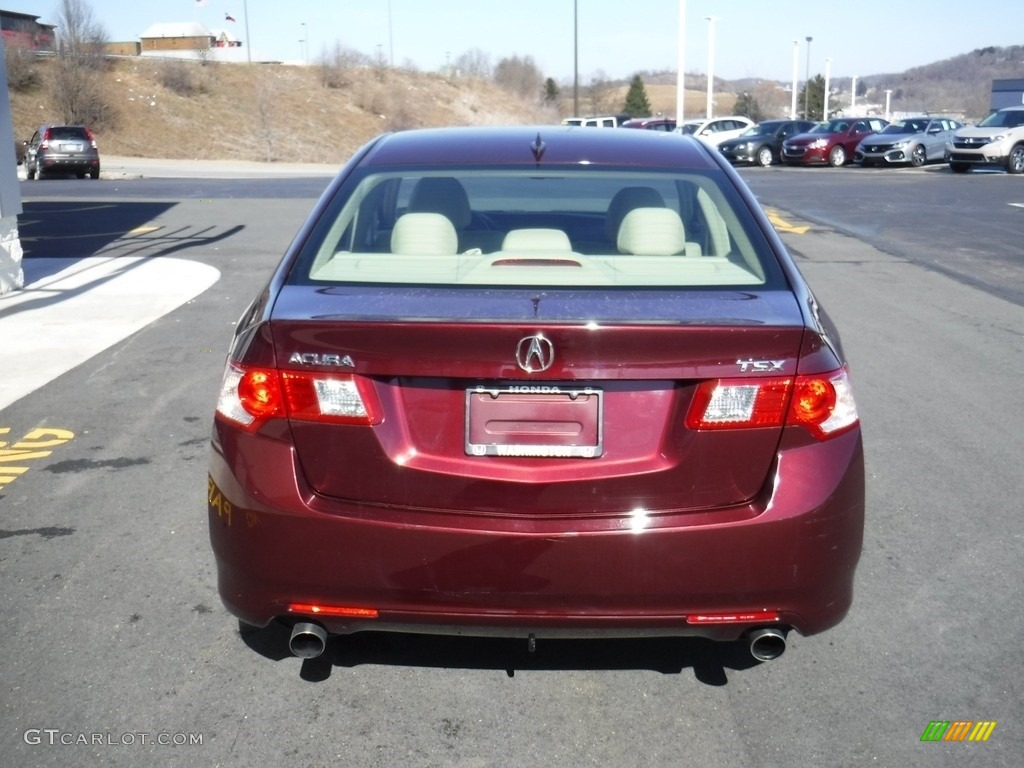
(616, 39)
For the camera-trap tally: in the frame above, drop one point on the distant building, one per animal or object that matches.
(161, 39)
(22, 30)
(1007, 93)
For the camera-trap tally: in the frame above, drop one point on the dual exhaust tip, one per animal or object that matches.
(309, 640)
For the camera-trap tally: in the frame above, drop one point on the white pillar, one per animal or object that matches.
(681, 65)
(11, 276)
(711, 63)
(796, 59)
(828, 67)
(853, 96)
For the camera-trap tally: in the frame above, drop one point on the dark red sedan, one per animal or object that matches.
(833, 142)
(539, 383)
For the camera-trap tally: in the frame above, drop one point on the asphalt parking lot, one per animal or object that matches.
(119, 653)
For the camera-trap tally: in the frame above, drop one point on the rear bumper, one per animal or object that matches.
(793, 552)
(69, 163)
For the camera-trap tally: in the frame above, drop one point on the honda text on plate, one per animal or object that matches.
(537, 382)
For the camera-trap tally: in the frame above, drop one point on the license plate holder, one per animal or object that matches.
(535, 421)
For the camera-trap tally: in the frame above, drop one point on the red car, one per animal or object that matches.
(539, 383)
(833, 142)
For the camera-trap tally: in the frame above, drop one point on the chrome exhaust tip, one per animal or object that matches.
(767, 643)
(308, 640)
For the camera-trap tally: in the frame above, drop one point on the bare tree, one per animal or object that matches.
(336, 66)
(474, 63)
(520, 76)
(77, 76)
(79, 35)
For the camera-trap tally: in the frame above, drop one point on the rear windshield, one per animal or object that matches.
(559, 228)
(66, 132)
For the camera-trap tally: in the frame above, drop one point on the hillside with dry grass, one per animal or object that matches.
(278, 113)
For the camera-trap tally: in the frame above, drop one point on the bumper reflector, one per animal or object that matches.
(733, 618)
(345, 611)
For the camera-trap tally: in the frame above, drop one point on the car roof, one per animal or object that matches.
(518, 145)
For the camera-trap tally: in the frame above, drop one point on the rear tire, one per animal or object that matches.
(1015, 161)
(765, 157)
(837, 157)
(94, 174)
(30, 171)
(959, 167)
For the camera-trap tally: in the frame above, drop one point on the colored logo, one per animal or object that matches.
(958, 730)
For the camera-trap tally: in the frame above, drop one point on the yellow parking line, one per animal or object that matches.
(782, 225)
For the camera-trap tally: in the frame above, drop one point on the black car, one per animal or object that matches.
(762, 144)
(62, 149)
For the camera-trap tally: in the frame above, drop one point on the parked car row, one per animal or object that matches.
(998, 140)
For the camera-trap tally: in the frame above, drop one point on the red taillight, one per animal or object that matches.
(338, 398)
(822, 404)
(739, 403)
(259, 392)
(251, 396)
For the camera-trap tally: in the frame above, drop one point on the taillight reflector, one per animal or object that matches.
(748, 617)
(346, 611)
(250, 396)
(822, 404)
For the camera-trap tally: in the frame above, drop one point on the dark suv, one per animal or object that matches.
(62, 149)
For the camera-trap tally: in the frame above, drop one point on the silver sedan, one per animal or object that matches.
(914, 140)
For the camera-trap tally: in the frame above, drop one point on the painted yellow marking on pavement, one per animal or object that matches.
(782, 225)
(26, 449)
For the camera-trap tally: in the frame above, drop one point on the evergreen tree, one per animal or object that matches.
(747, 105)
(813, 94)
(637, 104)
(550, 90)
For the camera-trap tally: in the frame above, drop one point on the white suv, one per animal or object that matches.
(717, 129)
(996, 140)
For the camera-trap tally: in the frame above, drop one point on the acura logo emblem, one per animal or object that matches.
(535, 354)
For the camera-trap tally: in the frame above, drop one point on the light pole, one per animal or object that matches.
(828, 67)
(796, 60)
(681, 65)
(305, 44)
(888, 94)
(575, 58)
(711, 62)
(807, 82)
(853, 96)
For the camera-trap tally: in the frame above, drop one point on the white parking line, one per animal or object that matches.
(60, 321)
